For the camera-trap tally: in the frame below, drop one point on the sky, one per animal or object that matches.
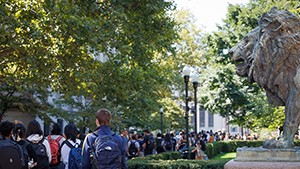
(208, 12)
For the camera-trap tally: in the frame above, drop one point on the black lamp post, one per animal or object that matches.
(195, 79)
(228, 105)
(186, 74)
(161, 110)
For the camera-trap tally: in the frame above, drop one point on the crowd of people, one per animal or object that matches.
(27, 147)
(147, 143)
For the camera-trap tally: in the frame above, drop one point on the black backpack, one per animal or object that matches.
(41, 153)
(10, 154)
(26, 157)
(174, 142)
(169, 145)
(150, 143)
(203, 145)
(133, 150)
(159, 147)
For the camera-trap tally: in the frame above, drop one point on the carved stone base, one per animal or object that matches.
(261, 165)
(261, 158)
(263, 154)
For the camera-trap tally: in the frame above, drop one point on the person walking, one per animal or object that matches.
(167, 143)
(140, 140)
(124, 136)
(19, 136)
(55, 133)
(149, 143)
(56, 140)
(11, 153)
(71, 142)
(133, 148)
(112, 146)
(40, 144)
(159, 143)
(199, 153)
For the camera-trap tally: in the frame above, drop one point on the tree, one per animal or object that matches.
(55, 45)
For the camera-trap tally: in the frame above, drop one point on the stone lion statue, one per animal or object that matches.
(270, 56)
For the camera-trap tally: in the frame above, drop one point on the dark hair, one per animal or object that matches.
(140, 136)
(203, 145)
(34, 127)
(71, 132)
(55, 129)
(6, 127)
(81, 136)
(20, 131)
(168, 137)
(133, 137)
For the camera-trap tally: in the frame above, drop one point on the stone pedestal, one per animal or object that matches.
(261, 165)
(261, 158)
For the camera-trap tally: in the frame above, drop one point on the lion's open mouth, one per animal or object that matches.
(241, 67)
(239, 63)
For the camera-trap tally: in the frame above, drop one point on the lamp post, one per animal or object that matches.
(195, 79)
(186, 74)
(161, 110)
(228, 104)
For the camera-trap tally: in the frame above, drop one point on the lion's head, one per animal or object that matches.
(243, 53)
(270, 54)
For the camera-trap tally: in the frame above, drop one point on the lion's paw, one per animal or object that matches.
(278, 144)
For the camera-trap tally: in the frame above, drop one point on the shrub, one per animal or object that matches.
(173, 160)
(176, 164)
(163, 156)
(215, 148)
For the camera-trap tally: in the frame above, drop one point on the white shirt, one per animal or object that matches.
(65, 151)
(136, 143)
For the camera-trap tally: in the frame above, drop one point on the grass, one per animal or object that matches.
(231, 155)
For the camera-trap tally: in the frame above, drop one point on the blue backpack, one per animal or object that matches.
(75, 159)
(106, 152)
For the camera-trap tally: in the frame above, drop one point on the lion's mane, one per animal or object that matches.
(270, 54)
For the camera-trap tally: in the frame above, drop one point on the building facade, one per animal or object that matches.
(208, 121)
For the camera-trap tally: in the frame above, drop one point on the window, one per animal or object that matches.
(202, 118)
(210, 120)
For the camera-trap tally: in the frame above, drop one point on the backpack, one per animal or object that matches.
(174, 142)
(106, 152)
(41, 153)
(75, 158)
(159, 147)
(25, 153)
(150, 143)
(168, 145)
(133, 150)
(203, 145)
(55, 149)
(10, 156)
